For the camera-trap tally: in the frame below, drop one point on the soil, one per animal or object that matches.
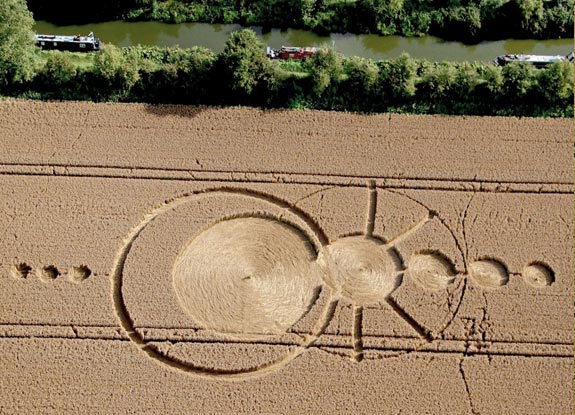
(173, 259)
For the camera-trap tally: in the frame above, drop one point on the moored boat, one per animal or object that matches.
(291, 52)
(537, 60)
(75, 43)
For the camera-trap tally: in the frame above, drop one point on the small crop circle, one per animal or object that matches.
(538, 275)
(362, 269)
(21, 270)
(432, 271)
(488, 273)
(48, 273)
(79, 274)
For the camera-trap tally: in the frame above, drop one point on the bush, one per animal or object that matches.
(555, 83)
(362, 75)
(324, 68)
(59, 69)
(397, 78)
(518, 81)
(461, 23)
(116, 71)
(243, 65)
(17, 50)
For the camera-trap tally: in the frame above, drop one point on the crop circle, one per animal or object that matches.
(361, 268)
(247, 275)
(538, 275)
(488, 273)
(432, 271)
(306, 233)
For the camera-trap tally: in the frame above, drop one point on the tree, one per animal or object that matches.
(70, 12)
(17, 50)
(384, 8)
(185, 78)
(59, 69)
(438, 82)
(325, 68)
(117, 71)
(518, 80)
(397, 77)
(556, 82)
(198, 70)
(492, 78)
(360, 83)
(462, 22)
(243, 63)
(532, 15)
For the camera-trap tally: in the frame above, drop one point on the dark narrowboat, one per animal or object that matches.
(74, 43)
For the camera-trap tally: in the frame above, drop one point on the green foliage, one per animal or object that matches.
(243, 63)
(397, 78)
(438, 83)
(59, 69)
(463, 23)
(560, 19)
(241, 74)
(518, 80)
(532, 15)
(116, 70)
(172, 74)
(555, 83)
(324, 68)
(492, 78)
(361, 82)
(465, 20)
(17, 50)
(361, 73)
(291, 65)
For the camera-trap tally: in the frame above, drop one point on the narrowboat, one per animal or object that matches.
(75, 43)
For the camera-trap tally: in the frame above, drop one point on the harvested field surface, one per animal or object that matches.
(163, 259)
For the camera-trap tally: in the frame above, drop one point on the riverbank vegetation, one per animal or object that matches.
(242, 75)
(464, 20)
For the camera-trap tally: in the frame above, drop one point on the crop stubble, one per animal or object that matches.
(238, 260)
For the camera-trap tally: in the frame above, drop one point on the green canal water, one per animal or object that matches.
(213, 36)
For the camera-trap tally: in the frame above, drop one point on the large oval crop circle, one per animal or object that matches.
(247, 275)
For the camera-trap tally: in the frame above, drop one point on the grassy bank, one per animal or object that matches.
(243, 75)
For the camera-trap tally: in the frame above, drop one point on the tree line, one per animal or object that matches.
(464, 20)
(242, 75)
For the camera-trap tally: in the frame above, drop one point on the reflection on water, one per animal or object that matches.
(374, 44)
(513, 46)
(214, 36)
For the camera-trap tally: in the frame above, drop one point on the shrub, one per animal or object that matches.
(17, 50)
(324, 68)
(116, 71)
(243, 64)
(59, 69)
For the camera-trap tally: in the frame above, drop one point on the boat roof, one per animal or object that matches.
(534, 58)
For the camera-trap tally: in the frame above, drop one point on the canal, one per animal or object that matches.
(213, 36)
